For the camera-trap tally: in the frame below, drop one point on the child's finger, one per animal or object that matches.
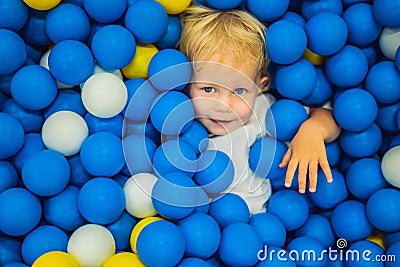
(312, 174)
(326, 169)
(302, 177)
(290, 172)
(286, 158)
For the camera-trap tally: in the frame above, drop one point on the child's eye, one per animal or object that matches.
(239, 91)
(209, 89)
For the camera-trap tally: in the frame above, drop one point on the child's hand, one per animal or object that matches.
(305, 152)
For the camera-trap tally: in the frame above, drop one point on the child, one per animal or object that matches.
(227, 49)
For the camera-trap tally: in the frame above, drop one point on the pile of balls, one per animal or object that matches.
(102, 162)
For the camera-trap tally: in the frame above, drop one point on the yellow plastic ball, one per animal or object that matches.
(56, 259)
(42, 4)
(138, 66)
(315, 59)
(378, 238)
(174, 6)
(124, 259)
(139, 227)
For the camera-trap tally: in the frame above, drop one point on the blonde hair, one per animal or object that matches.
(206, 31)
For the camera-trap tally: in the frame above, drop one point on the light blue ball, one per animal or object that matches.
(62, 210)
(319, 228)
(121, 230)
(101, 200)
(33, 143)
(270, 228)
(383, 210)
(105, 11)
(12, 135)
(14, 15)
(223, 5)
(33, 87)
(12, 52)
(20, 211)
(67, 22)
(267, 11)
(172, 35)
(10, 250)
(31, 120)
(322, 91)
(139, 151)
(387, 13)
(310, 8)
(303, 244)
(368, 251)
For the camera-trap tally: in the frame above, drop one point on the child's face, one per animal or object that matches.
(223, 94)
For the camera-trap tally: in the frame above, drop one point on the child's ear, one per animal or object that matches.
(263, 83)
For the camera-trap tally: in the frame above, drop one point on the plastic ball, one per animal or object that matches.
(215, 171)
(309, 7)
(112, 125)
(397, 59)
(42, 5)
(138, 67)
(296, 81)
(389, 41)
(56, 259)
(362, 25)
(137, 229)
(123, 259)
(121, 230)
(147, 20)
(9, 176)
(202, 235)
(31, 120)
(355, 110)
(225, 5)
(386, 119)
(267, 11)
(284, 118)
(347, 68)
(139, 151)
(196, 136)
(322, 91)
(383, 210)
(361, 247)
(36, 24)
(387, 13)
(349, 221)
(382, 82)
(71, 62)
(11, 135)
(302, 245)
(43, 239)
(10, 250)
(20, 211)
(161, 243)
(102, 154)
(294, 17)
(172, 35)
(91, 245)
(393, 252)
(14, 15)
(67, 22)
(187, 262)
(232, 250)
(173, 7)
(229, 208)
(137, 191)
(361, 144)
(270, 228)
(33, 143)
(287, 42)
(105, 11)
(265, 156)
(370, 53)
(290, 207)
(15, 264)
(378, 238)
(12, 52)
(315, 59)
(390, 167)
(113, 47)
(319, 228)
(326, 33)
(104, 95)
(169, 69)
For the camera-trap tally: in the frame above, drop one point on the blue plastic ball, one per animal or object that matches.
(66, 100)
(361, 144)
(189, 262)
(46, 163)
(33, 143)
(382, 82)
(386, 119)
(355, 110)
(172, 113)
(368, 251)
(112, 125)
(172, 35)
(229, 208)
(311, 7)
(33, 87)
(362, 170)
(71, 62)
(105, 11)
(270, 228)
(290, 207)
(349, 221)
(303, 244)
(240, 244)
(333, 153)
(326, 33)
(139, 151)
(294, 17)
(387, 13)
(296, 81)
(15, 264)
(34, 32)
(319, 228)
(362, 25)
(12, 52)
(284, 118)
(265, 156)
(196, 136)
(267, 11)
(347, 68)
(43, 239)
(371, 54)
(9, 176)
(202, 235)
(394, 252)
(10, 250)
(62, 210)
(215, 171)
(160, 244)
(102, 154)
(147, 21)
(223, 5)
(14, 15)
(397, 59)
(79, 176)
(67, 22)
(113, 47)
(20, 211)
(31, 120)
(287, 42)
(11, 135)
(322, 91)
(101, 200)
(169, 69)
(121, 230)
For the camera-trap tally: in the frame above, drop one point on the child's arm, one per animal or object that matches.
(307, 149)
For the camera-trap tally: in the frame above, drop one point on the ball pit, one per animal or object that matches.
(97, 136)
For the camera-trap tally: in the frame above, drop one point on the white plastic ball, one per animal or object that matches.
(91, 245)
(389, 42)
(44, 62)
(64, 131)
(99, 69)
(137, 191)
(104, 95)
(390, 166)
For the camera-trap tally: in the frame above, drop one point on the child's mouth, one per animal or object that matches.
(220, 123)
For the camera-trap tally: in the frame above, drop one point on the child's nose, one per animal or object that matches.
(224, 103)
